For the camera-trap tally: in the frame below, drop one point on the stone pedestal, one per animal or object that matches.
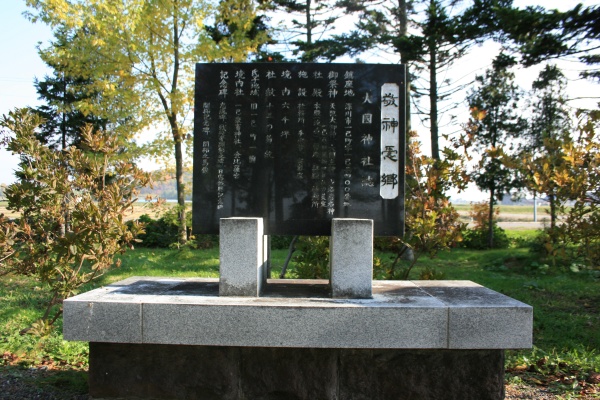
(451, 315)
(173, 338)
(242, 257)
(234, 373)
(351, 258)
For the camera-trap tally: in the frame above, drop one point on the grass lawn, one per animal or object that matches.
(565, 359)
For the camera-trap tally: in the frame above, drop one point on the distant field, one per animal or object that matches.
(4, 211)
(512, 214)
(138, 209)
(542, 210)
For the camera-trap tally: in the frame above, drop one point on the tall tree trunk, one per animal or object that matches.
(309, 26)
(407, 253)
(433, 109)
(308, 23)
(552, 200)
(182, 233)
(63, 125)
(177, 135)
(403, 17)
(491, 218)
(181, 212)
(433, 100)
(64, 227)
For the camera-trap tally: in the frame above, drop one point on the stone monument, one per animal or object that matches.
(300, 144)
(245, 336)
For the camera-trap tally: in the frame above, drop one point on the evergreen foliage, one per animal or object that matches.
(306, 37)
(495, 124)
(62, 121)
(540, 35)
(550, 129)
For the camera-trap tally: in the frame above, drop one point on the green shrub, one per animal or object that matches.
(279, 242)
(159, 232)
(388, 243)
(521, 241)
(540, 244)
(312, 257)
(73, 204)
(206, 241)
(477, 239)
(163, 233)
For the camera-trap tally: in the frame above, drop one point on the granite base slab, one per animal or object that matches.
(299, 314)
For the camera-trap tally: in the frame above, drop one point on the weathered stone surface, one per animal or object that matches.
(351, 258)
(480, 318)
(421, 374)
(97, 321)
(290, 374)
(163, 372)
(400, 315)
(205, 372)
(242, 268)
(297, 324)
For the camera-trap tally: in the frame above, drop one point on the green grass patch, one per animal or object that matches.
(44, 383)
(185, 262)
(522, 237)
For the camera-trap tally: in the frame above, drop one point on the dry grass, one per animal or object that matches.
(513, 214)
(138, 209)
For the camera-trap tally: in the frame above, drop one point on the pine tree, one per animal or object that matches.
(540, 35)
(495, 121)
(62, 120)
(549, 131)
(306, 37)
(442, 32)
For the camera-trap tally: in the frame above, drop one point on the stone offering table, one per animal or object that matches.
(177, 338)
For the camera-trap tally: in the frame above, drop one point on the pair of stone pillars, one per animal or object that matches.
(243, 253)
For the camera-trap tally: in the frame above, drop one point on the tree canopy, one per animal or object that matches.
(495, 120)
(141, 56)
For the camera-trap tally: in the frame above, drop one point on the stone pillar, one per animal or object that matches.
(351, 258)
(242, 263)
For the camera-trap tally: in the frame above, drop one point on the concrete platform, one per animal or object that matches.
(300, 314)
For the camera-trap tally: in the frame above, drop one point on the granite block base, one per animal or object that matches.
(451, 315)
(155, 371)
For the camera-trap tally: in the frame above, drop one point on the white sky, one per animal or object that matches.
(21, 64)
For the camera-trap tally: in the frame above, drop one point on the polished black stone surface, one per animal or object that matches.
(297, 144)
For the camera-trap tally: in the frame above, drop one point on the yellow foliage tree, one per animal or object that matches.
(143, 53)
(582, 158)
(571, 173)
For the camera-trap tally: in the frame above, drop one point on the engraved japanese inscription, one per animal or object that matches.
(298, 145)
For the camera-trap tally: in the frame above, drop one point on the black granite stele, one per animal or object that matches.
(298, 145)
(235, 373)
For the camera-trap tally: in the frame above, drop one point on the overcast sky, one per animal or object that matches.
(21, 64)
